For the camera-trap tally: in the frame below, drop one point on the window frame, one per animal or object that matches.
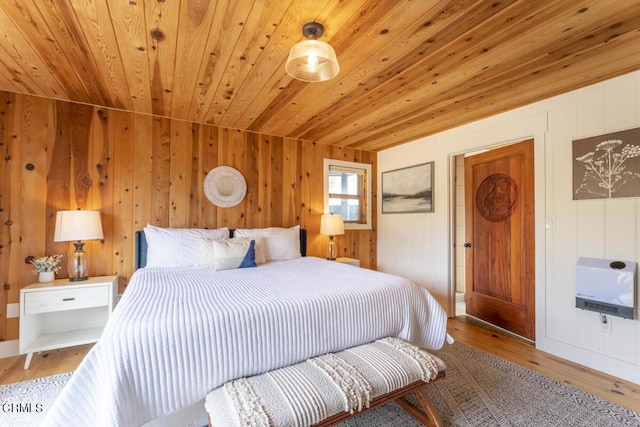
(367, 196)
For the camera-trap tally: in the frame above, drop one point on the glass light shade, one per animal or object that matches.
(77, 226)
(312, 61)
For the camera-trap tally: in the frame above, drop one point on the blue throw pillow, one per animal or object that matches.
(233, 253)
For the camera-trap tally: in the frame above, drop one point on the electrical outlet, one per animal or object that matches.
(13, 310)
(604, 324)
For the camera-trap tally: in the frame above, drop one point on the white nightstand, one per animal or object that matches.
(63, 313)
(350, 261)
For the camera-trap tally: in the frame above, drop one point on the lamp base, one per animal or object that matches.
(78, 264)
(332, 249)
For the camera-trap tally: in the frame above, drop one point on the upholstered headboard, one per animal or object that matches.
(141, 246)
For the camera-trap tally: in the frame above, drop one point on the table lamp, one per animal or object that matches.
(75, 226)
(331, 225)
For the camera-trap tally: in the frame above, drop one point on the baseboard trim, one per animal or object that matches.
(9, 349)
(609, 365)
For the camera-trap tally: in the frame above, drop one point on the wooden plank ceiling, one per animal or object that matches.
(408, 68)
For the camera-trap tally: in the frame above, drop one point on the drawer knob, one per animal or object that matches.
(68, 299)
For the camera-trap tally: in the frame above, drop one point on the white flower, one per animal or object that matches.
(609, 144)
(631, 151)
(46, 263)
(586, 158)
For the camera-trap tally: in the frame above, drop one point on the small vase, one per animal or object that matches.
(46, 276)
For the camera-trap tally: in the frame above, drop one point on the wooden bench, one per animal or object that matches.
(332, 388)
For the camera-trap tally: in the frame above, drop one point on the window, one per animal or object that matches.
(347, 191)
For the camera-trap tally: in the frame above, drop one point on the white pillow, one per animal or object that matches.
(278, 244)
(208, 256)
(177, 247)
(227, 254)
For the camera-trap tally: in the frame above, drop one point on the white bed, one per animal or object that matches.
(180, 332)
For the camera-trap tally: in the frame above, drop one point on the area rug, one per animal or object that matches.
(479, 390)
(24, 403)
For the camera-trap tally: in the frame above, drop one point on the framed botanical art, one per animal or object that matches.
(607, 166)
(408, 190)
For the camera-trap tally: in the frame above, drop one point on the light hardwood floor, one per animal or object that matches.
(602, 385)
(613, 389)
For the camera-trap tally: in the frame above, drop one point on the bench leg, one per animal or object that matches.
(432, 419)
(428, 407)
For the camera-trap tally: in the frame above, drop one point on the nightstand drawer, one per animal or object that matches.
(65, 299)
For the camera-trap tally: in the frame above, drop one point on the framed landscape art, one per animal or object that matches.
(408, 190)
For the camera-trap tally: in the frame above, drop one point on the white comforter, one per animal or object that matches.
(178, 333)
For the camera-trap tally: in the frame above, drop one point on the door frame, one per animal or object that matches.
(538, 280)
(509, 127)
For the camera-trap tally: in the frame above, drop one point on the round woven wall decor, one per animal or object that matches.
(225, 186)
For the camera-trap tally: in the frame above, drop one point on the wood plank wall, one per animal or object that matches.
(138, 169)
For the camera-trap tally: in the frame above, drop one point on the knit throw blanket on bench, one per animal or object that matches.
(311, 391)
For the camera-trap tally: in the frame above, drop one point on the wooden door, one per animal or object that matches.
(499, 229)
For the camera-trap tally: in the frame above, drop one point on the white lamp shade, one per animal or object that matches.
(312, 61)
(78, 225)
(331, 225)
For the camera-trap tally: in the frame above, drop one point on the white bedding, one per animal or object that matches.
(180, 332)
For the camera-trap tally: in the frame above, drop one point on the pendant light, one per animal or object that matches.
(312, 60)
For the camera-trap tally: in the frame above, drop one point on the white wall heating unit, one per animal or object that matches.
(607, 286)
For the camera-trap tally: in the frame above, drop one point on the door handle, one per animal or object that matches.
(467, 245)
